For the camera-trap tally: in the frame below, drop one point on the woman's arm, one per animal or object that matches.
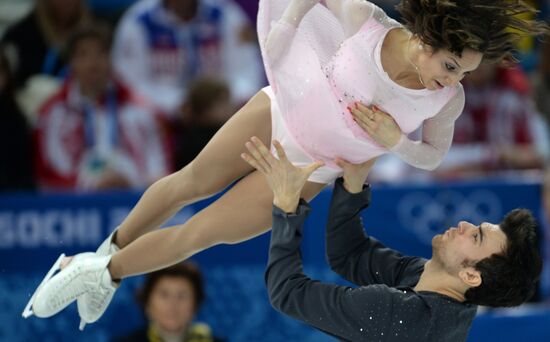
(283, 31)
(351, 14)
(437, 136)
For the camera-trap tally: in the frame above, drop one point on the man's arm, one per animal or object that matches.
(337, 310)
(357, 257)
(362, 314)
(350, 314)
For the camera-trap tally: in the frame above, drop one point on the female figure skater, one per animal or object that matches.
(336, 70)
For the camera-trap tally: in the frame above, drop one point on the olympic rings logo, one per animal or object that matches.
(426, 214)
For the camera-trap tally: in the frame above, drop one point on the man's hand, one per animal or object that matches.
(355, 175)
(285, 180)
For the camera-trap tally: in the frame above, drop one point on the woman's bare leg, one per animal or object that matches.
(216, 167)
(240, 214)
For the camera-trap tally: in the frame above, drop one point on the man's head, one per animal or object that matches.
(185, 10)
(171, 297)
(498, 264)
(208, 103)
(88, 54)
(66, 13)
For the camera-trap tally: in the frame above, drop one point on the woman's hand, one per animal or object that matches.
(355, 175)
(285, 180)
(296, 10)
(379, 125)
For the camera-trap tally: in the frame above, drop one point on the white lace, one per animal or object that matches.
(72, 286)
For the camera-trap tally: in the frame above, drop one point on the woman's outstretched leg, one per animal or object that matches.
(216, 167)
(240, 214)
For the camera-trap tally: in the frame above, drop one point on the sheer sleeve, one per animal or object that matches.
(282, 32)
(350, 14)
(437, 136)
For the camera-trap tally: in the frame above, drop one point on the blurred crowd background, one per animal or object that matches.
(103, 96)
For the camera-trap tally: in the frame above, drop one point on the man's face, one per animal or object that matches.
(90, 63)
(171, 305)
(467, 242)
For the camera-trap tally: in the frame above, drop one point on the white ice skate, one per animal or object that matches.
(89, 309)
(86, 273)
(27, 312)
(29, 308)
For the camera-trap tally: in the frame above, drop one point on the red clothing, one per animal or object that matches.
(498, 113)
(77, 139)
(499, 118)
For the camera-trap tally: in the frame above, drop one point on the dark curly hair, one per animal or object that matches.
(185, 270)
(480, 25)
(510, 278)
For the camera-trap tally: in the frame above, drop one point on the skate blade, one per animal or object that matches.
(28, 311)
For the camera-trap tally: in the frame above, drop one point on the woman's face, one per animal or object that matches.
(445, 69)
(171, 305)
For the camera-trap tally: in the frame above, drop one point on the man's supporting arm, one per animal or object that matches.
(353, 254)
(336, 310)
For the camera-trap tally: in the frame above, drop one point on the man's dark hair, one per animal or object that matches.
(510, 278)
(185, 270)
(480, 25)
(98, 31)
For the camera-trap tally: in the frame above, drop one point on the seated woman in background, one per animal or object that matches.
(170, 299)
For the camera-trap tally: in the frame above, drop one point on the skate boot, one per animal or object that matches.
(88, 308)
(87, 273)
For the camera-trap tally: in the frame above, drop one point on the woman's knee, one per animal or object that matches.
(205, 182)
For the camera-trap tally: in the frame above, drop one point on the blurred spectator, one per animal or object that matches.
(527, 45)
(37, 40)
(94, 133)
(541, 82)
(170, 299)
(162, 45)
(16, 171)
(205, 110)
(499, 129)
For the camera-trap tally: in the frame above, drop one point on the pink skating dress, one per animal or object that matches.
(321, 71)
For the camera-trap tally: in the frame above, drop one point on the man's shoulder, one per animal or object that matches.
(450, 320)
(413, 266)
(418, 316)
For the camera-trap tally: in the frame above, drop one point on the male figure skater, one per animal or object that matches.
(399, 298)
